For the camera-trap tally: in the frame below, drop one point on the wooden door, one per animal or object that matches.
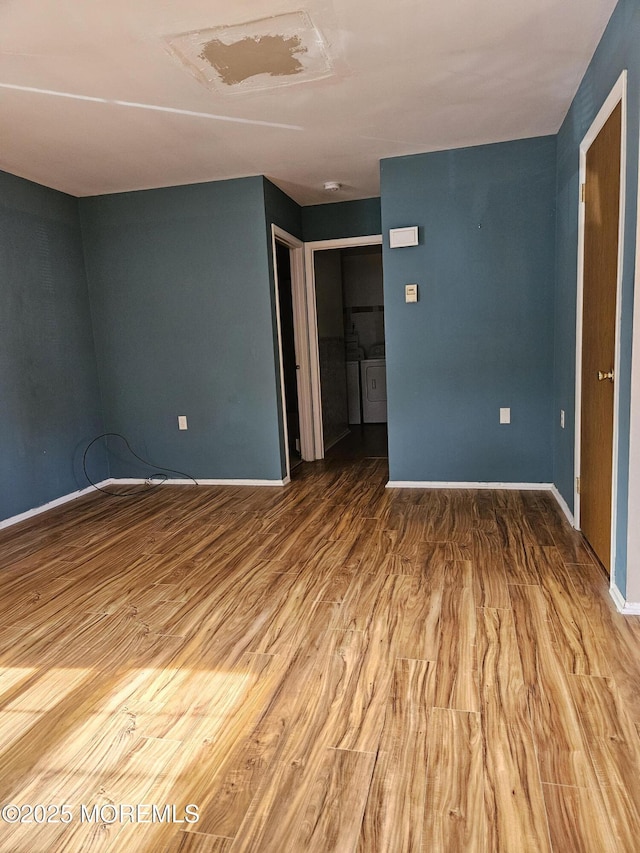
(602, 212)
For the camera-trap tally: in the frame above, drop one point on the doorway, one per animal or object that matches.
(289, 361)
(345, 296)
(293, 346)
(601, 227)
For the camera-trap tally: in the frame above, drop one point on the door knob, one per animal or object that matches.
(602, 376)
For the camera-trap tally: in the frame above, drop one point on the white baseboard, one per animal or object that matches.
(131, 481)
(627, 608)
(563, 505)
(442, 484)
(72, 496)
(617, 597)
(236, 482)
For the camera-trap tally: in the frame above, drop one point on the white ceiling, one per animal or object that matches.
(92, 101)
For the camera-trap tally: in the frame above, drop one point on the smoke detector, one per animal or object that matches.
(332, 186)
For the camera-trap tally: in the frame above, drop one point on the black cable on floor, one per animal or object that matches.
(144, 489)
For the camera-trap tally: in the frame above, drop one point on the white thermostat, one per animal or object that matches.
(399, 238)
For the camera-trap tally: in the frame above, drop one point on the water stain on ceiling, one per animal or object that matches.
(262, 54)
(276, 56)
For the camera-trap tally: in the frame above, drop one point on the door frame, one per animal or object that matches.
(618, 95)
(301, 339)
(630, 601)
(312, 322)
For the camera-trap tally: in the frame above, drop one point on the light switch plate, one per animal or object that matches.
(182, 422)
(505, 416)
(411, 293)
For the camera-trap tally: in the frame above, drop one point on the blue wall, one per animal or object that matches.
(481, 335)
(182, 307)
(282, 211)
(49, 400)
(341, 219)
(618, 49)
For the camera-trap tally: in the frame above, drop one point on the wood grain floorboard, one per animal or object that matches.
(618, 636)
(513, 792)
(335, 802)
(577, 645)
(420, 621)
(489, 574)
(563, 753)
(395, 808)
(331, 666)
(456, 672)
(615, 751)
(578, 820)
(454, 813)
(198, 842)
(569, 542)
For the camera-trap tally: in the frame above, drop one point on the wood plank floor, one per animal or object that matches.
(329, 666)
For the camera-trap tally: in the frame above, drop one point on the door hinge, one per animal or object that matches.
(578, 485)
(583, 192)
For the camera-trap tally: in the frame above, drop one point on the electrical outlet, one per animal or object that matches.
(562, 418)
(182, 422)
(505, 416)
